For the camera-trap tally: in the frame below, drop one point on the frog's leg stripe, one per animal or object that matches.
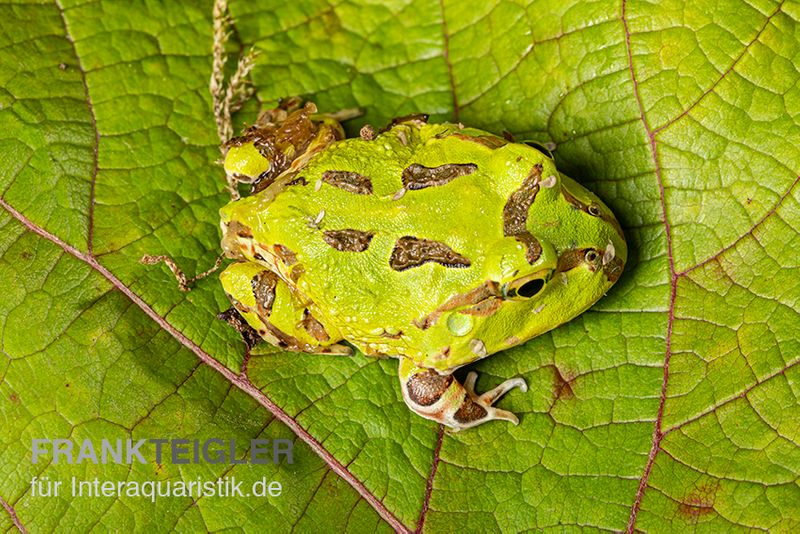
(412, 252)
(348, 240)
(418, 176)
(352, 182)
(515, 214)
(441, 398)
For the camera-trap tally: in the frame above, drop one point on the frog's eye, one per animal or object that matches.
(591, 256)
(525, 287)
(530, 288)
(594, 210)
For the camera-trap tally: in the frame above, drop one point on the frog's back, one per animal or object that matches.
(385, 235)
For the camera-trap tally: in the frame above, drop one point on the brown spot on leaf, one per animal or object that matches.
(427, 387)
(352, 182)
(699, 502)
(562, 385)
(412, 252)
(348, 240)
(515, 214)
(469, 411)
(418, 176)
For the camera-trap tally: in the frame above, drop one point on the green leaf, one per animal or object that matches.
(672, 404)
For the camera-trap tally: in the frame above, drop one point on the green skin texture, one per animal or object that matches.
(358, 296)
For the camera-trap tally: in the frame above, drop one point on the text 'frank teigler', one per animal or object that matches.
(175, 451)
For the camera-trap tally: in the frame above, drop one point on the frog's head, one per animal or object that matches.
(563, 251)
(283, 139)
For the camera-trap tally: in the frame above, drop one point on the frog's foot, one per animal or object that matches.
(441, 398)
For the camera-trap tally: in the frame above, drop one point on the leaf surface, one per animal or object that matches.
(671, 404)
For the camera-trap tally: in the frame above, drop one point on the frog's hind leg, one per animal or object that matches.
(268, 305)
(441, 398)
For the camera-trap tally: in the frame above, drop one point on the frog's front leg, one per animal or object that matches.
(268, 305)
(441, 398)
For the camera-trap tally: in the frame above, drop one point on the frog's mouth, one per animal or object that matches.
(527, 286)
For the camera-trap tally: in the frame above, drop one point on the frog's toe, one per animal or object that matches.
(469, 383)
(492, 395)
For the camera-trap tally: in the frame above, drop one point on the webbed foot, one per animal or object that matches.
(443, 399)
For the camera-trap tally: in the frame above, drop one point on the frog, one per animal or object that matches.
(436, 244)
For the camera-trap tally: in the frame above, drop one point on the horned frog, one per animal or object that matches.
(435, 244)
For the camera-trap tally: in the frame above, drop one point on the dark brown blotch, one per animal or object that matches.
(352, 182)
(427, 387)
(592, 209)
(235, 319)
(419, 118)
(515, 211)
(515, 214)
(569, 259)
(264, 284)
(478, 298)
(245, 232)
(490, 141)
(412, 252)
(314, 327)
(613, 269)
(484, 309)
(418, 176)
(300, 180)
(285, 254)
(348, 240)
(469, 411)
(562, 385)
(699, 502)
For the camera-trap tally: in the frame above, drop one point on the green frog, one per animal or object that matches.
(436, 244)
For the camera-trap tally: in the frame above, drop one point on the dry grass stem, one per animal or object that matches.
(180, 276)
